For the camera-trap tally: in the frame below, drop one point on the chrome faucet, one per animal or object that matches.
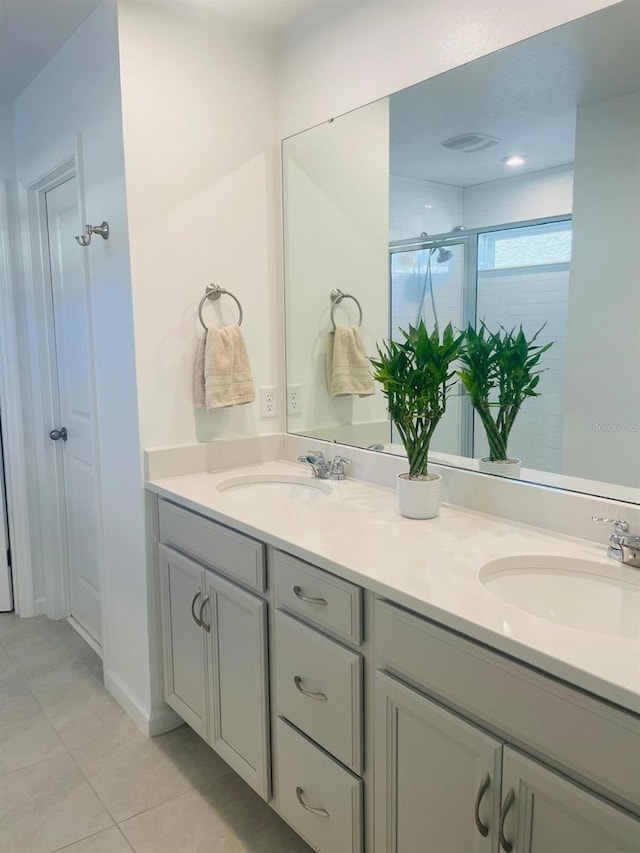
(324, 469)
(623, 546)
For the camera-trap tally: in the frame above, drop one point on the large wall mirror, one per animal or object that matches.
(504, 192)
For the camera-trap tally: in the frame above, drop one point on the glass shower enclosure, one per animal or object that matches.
(505, 276)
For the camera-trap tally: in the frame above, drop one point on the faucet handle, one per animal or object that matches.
(620, 526)
(338, 460)
(312, 456)
(336, 472)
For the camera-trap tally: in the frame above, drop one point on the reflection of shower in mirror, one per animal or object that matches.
(442, 257)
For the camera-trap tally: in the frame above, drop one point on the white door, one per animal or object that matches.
(544, 813)
(6, 596)
(437, 777)
(75, 385)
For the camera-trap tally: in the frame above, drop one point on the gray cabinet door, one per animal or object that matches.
(182, 584)
(437, 778)
(549, 814)
(238, 678)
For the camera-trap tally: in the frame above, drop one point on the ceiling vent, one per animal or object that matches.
(470, 142)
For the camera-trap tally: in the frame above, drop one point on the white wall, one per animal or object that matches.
(199, 102)
(7, 149)
(534, 195)
(416, 205)
(336, 59)
(79, 92)
(336, 198)
(602, 413)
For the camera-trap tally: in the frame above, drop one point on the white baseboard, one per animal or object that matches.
(150, 723)
(86, 636)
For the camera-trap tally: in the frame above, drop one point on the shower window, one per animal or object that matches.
(525, 246)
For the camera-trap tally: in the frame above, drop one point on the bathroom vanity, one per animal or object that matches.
(357, 671)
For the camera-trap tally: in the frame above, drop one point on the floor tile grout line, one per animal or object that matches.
(35, 763)
(126, 840)
(88, 781)
(84, 838)
(106, 808)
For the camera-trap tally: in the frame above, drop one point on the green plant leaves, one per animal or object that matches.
(499, 371)
(502, 365)
(416, 377)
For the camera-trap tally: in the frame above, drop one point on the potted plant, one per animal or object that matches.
(416, 377)
(499, 371)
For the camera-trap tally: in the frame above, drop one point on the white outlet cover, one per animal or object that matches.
(268, 401)
(294, 399)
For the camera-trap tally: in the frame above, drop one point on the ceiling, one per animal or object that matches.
(33, 31)
(526, 96)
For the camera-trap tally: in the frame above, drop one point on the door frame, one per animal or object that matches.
(43, 405)
(12, 410)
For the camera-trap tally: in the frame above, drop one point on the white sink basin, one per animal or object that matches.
(277, 487)
(576, 593)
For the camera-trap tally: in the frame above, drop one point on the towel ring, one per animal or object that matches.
(336, 297)
(214, 291)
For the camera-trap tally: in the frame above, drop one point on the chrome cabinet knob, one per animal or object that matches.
(57, 434)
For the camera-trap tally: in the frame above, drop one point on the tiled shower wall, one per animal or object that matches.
(532, 297)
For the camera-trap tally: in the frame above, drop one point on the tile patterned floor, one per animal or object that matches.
(77, 775)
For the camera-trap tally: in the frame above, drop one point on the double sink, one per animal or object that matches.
(576, 593)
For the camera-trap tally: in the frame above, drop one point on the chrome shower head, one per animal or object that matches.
(443, 255)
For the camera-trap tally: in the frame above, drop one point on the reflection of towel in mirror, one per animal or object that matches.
(347, 363)
(222, 374)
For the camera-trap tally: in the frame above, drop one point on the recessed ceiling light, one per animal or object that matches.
(514, 160)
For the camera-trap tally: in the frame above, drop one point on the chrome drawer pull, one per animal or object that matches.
(319, 812)
(321, 697)
(321, 601)
(482, 790)
(509, 800)
(193, 612)
(206, 627)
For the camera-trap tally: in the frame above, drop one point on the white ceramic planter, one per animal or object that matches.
(419, 498)
(502, 467)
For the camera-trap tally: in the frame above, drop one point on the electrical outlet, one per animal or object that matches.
(294, 399)
(268, 401)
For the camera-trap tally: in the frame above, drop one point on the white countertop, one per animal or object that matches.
(431, 567)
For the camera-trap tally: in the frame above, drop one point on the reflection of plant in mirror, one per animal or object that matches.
(505, 362)
(416, 379)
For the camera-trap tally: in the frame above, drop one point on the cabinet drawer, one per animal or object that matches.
(309, 663)
(319, 597)
(596, 743)
(231, 553)
(320, 799)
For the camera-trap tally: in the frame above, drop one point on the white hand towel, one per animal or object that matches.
(227, 381)
(347, 363)
(198, 374)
